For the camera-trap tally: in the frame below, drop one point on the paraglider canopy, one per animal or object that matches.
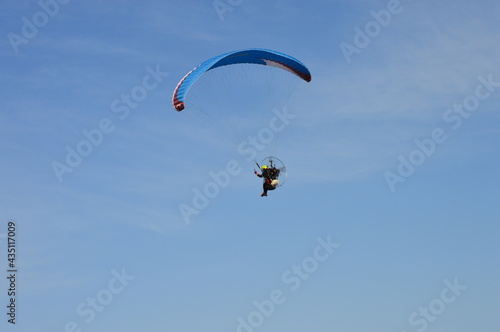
(247, 56)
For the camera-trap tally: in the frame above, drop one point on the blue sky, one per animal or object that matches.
(389, 217)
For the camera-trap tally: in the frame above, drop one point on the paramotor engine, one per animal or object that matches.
(273, 162)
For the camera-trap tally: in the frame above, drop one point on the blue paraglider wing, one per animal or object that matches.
(251, 56)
